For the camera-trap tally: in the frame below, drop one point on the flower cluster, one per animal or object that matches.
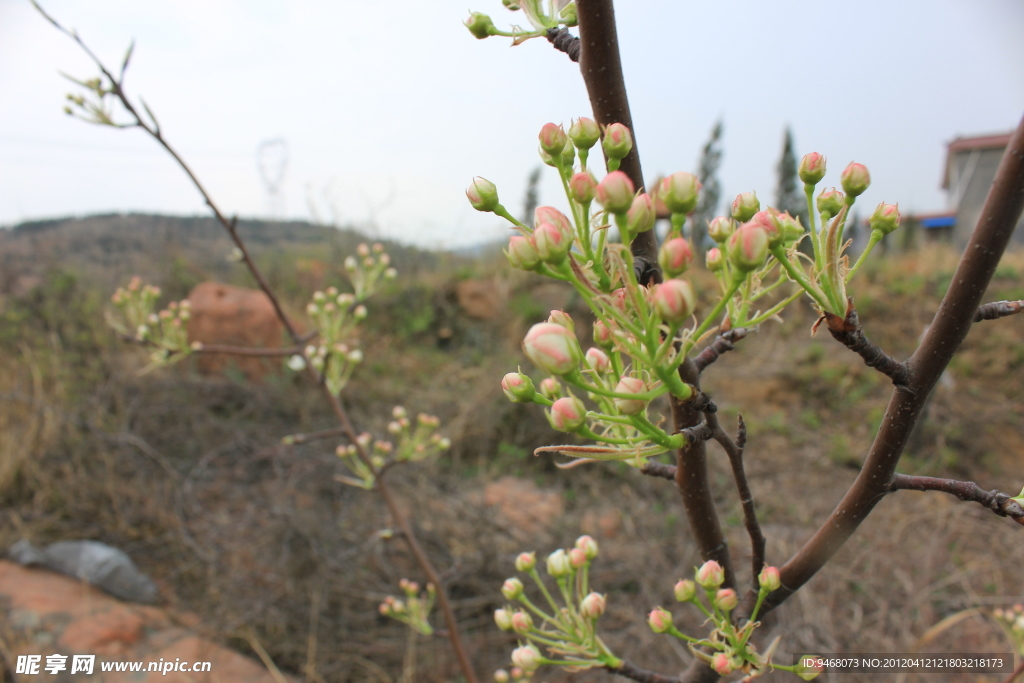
(565, 624)
(414, 610)
(166, 332)
(413, 444)
(1011, 620)
(368, 268)
(542, 15)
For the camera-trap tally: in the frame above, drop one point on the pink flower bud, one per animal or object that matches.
(558, 564)
(521, 622)
(812, 168)
(674, 301)
(526, 561)
(583, 187)
(721, 228)
(549, 214)
(518, 387)
(512, 588)
(584, 133)
(630, 385)
(714, 259)
(721, 664)
(562, 318)
(660, 620)
(710, 575)
(527, 657)
(745, 206)
(617, 141)
(886, 218)
(598, 360)
(522, 253)
(640, 217)
(685, 590)
(855, 179)
(769, 579)
(675, 256)
(830, 202)
(552, 243)
(791, 227)
(679, 191)
(553, 348)
(768, 220)
(550, 388)
(480, 25)
(552, 139)
(577, 558)
(567, 414)
(593, 605)
(615, 192)
(603, 336)
(501, 676)
(516, 672)
(482, 194)
(588, 545)
(726, 599)
(748, 247)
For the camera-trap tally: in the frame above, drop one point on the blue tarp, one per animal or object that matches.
(939, 222)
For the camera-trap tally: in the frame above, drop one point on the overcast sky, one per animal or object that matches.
(388, 109)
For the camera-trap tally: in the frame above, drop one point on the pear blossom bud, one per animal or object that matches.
(598, 360)
(675, 256)
(562, 318)
(617, 141)
(748, 247)
(521, 622)
(660, 620)
(526, 561)
(745, 206)
(583, 187)
(517, 673)
(577, 558)
(714, 260)
(685, 590)
(553, 348)
(630, 385)
(512, 588)
(522, 253)
(640, 217)
(501, 676)
(710, 575)
(567, 414)
(674, 300)
(615, 192)
(726, 599)
(527, 657)
(558, 564)
(480, 25)
(503, 618)
(855, 179)
(885, 219)
(588, 545)
(584, 133)
(550, 388)
(518, 387)
(552, 244)
(593, 605)
(721, 228)
(721, 664)
(808, 667)
(603, 336)
(769, 221)
(679, 191)
(769, 579)
(482, 193)
(830, 202)
(549, 214)
(812, 168)
(552, 139)
(790, 227)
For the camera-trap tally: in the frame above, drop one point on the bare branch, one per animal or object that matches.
(998, 309)
(722, 344)
(652, 468)
(630, 670)
(848, 332)
(734, 449)
(999, 503)
(315, 436)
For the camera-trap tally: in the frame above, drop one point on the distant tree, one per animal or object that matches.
(531, 199)
(711, 191)
(788, 191)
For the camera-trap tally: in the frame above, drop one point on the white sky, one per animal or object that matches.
(392, 107)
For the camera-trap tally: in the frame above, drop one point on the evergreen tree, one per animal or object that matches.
(789, 194)
(531, 199)
(711, 191)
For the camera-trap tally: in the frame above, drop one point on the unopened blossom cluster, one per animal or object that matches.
(559, 627)
(727, 648)
(644, 331)
(1011, 620)
(166, 332)
(367, 268)
(414, 608)
(543, 15)
(413, 443)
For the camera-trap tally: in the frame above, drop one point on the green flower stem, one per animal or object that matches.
(798, 276)
(576, 379)
(657, 435)
(584, 155)
(848, 204)
(876, 236)
(761, 595)
(775, 309)
(540, 399)
(563, 588)
(709, 320)
(772, 287)
(673, 631)
(544, 270)
(500, 210)
(624, 235)
(809, 193)
(676, 386)
(543, 589)
(536, 610)
(589, 434)
(606, 657)
(678, 221)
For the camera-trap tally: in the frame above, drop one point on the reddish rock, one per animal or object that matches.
(481, 298)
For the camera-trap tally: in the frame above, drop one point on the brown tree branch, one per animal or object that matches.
(630, 670)
(998, 309)
(848, 332)
(563, 41)
(999, 503)
(722, 344)
(315, 436)
(734, 449)
(653, 468)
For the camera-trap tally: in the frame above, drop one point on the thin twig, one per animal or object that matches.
(848, 332)
(999, 503)
(315, 436)
(998, 309)
(630, 670)
(722, 344)
(734, 449)
(653, 468)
